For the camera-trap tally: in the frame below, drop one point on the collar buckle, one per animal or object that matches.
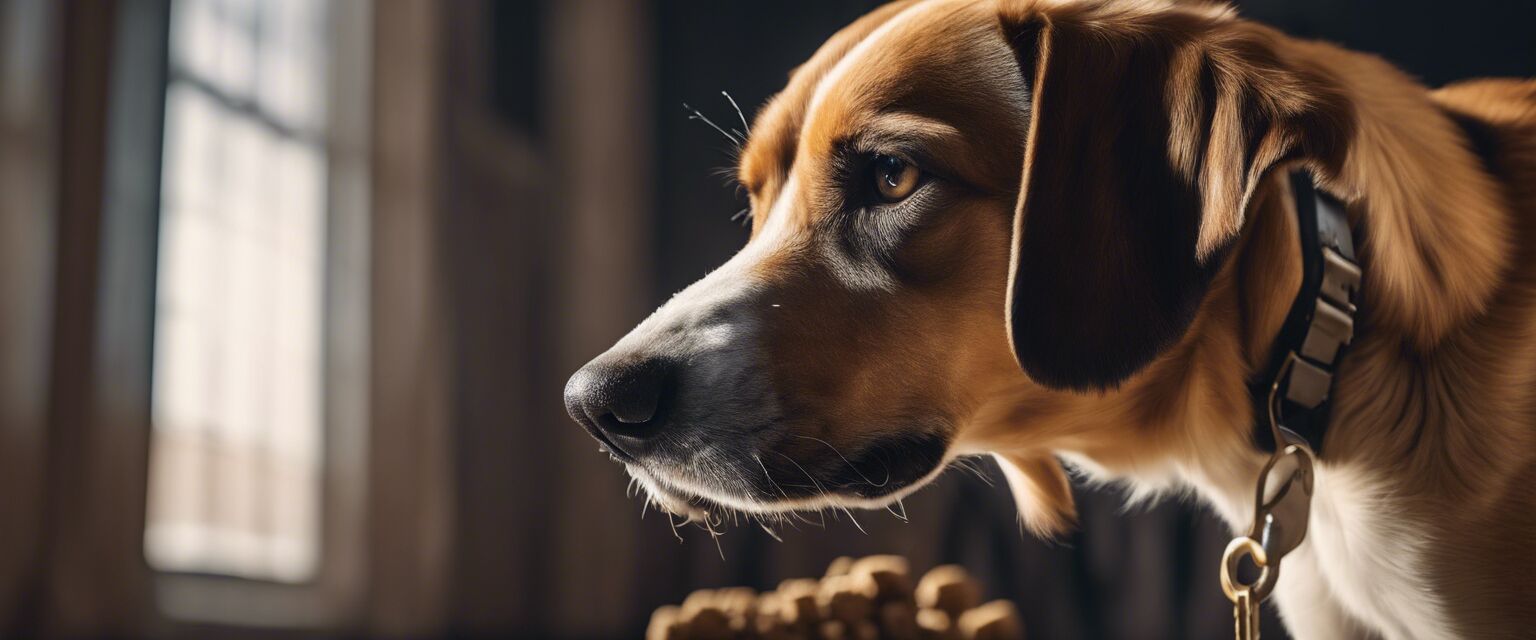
(1332, 326)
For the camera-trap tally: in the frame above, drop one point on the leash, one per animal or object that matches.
(1291, 399)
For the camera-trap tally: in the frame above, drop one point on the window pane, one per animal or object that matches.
(236, 455)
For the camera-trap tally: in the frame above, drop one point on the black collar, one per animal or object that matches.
(1318, 327)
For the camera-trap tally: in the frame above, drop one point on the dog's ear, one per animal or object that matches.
(1147, 136)
(1042, 492)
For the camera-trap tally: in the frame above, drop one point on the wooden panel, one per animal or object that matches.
(411, 494)
(28, 101)
(113, 72)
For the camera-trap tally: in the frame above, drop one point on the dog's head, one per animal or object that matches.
(964, 212)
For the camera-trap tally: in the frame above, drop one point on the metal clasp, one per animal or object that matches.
(1282, 511)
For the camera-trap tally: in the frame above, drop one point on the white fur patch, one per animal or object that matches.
(1360, 567)
(1371, 558)
(1361, 570)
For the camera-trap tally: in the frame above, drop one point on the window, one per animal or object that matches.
(238, 446)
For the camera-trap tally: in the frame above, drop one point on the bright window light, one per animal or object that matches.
(236, 456)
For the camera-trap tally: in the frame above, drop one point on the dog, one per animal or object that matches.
(1060, 233)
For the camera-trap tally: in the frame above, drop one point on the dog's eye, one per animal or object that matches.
(895, 179)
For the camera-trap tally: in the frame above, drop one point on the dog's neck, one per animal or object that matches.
(1433, 240)
(1434, 235)
(1430, 423)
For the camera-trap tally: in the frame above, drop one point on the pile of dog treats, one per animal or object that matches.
(864, 599)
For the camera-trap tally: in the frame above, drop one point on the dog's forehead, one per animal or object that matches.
(941, 60)
(771, 148)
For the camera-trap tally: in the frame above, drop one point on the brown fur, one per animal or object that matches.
(1438, 393)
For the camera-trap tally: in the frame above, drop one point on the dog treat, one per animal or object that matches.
(848, 598)
(740, 607)
(840, 566)
(766, 613)
(798, 603)
(857, 599)
(898, 621)
(708, 623)
(995, 620)
(934, 624)
(841, 630)
(697, 600)
(950, 589)
(665, 625)
(891, 575)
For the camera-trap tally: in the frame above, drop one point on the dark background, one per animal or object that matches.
(537, 189)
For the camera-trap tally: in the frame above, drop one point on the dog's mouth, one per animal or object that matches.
(605, 445)
(771, 485)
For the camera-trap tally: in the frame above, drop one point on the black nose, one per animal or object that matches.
(623, 404)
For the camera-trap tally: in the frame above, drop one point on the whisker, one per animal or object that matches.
(771, 481)
(744, 126)
(705, 119)
(849, 463)
(856, 524)
(807, 474)
(966, 464)
(801, 517)
(672, 521)
(819, 512)
(899, 516)
(769, 531)
(716, 537)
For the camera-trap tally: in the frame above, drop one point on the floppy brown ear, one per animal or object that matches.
(1041, 491)
(1148, 134)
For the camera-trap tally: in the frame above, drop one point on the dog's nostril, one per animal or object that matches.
(621, 403)
(637, 403)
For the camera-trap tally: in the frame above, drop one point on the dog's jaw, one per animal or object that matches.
(699, 502)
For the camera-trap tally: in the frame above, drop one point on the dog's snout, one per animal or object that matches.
(620, 404)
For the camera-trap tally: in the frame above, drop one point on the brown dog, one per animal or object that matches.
(1094, 192)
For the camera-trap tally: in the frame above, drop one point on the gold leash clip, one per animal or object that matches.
(1245, 597)
(1279, 521)
(1247, 613)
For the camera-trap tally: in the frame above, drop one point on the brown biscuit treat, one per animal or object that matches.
(898, 621)
(995, 620)
(934, 624)
(948, 588)
(707, 623)
(766, 610)
(797, 603)
(766, 626)
(666, 625)
(839, 566)
(700, 599)
(847, 598)
(863, 630)
(739, 605)
(735, 599)
(891, 574)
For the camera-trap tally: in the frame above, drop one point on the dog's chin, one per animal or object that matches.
(679, 495)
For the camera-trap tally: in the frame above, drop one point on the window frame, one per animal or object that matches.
(333, 598)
